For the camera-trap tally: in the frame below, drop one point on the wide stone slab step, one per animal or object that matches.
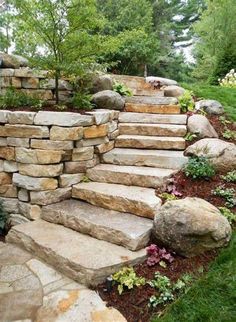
(130, 175)
(135, 200)
(150, 142)
(115, 227)
(153, 129)
(85, 259)
(151, 108)
(150, 100)
(150, 158)
(126, 117)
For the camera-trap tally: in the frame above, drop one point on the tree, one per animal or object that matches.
(64, 34)
(5, 27)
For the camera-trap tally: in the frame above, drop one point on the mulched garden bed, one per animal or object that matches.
(133, 304)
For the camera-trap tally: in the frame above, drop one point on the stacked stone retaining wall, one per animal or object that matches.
(43, 154)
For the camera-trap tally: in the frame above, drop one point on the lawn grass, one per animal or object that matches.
(213, 297)
(226, 96)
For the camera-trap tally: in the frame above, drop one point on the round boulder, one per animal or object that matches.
(199, 124)
(161, 80)
(220, 153)
(210, 106)
(12, 61)
(191, 226)
(108, 100)
(102, 83)
(173, 91)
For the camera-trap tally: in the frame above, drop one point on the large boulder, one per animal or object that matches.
(173, 91)
(199, 124)
(161, 80)
(109, 100)
(102, 83)
(210, 106)
(191, 226)
(220, 153)
(12, 61)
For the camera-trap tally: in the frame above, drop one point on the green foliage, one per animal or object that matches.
(82, 101)
(16, 99)
(127, 278)
(3, 217)
(227, 96)
(229, 134)
(186, 102)
(199, 167)
(168, 196)
(231, 216)
(85, 179)
(228, 194)
(190, 137)
(212, 297)
(224, 121)
(230, 176)
(122, 89)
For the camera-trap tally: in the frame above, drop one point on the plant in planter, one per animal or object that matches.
(199, 167)
(3, 219)
(158, 255)
(127, 278)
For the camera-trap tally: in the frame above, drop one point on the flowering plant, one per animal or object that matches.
(158, 255)
(229, 80)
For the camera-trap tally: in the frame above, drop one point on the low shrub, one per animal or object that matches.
(230, 176)
(122, 89)
(199, 168)
(229, 80)
(186, 102)
(16, 99)
(228, 194)
(82, 101)
(127, 278)
(158, 255)
(231, 216)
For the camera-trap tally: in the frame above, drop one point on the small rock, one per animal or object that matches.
(108, 100)
(210, 106)
(191, 226)
(12, 61)
(173, 91)
(199, 124)
(220, 153)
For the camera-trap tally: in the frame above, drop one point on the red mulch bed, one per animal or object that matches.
(133, 304)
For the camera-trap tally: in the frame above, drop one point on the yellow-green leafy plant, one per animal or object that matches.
(127, 278)
(122, 89)
(229, 80)
(186, 102)
(231, 216)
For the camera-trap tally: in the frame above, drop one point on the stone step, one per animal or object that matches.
(85, 259)
(151, 100)
(151, 108)
(126, 117)
(152, 129)
(149, 158)
(130, 175)
(148, 92)
(115, 227)
(150, 142)
(135, 200)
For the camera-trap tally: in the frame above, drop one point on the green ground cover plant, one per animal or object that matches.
(199, 167)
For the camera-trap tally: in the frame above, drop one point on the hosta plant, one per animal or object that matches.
(158, 255)
(127, 278)
(231, 216)
(186, 102)
(230, 176)
(229, 134)
(229, 194)
(190, 137)
(122, 89)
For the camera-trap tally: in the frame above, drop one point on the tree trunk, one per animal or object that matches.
(57, 75)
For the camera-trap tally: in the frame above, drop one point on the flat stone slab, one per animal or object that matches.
(150, 142)
(150, 158)
(151, 108)
(152, 129)
(62, 119)
(152, 100)
(135, 200)
(130, 175)
(126, 117)
(115, 227)
(85, 259)
(32, 291)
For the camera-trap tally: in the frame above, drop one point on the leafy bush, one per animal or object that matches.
(15, 99)
(229, 134)
(228, 194)
(3, 217)
(127, 278)
(158, 255)
(229, 80)
(231, 216)
(199, 167)
(122, 89)
(82, 101)
(230, 176)
(186, 102)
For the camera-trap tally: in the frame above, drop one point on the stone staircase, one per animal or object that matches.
(108, 222)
